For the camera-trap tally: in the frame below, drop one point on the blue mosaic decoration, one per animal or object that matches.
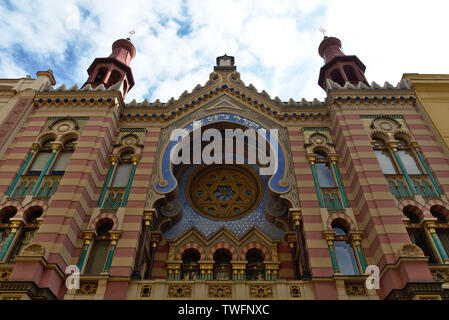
(279, 174)
(208, 226)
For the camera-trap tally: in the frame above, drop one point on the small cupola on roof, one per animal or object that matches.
(225, 63)
(339, 67)
(115, 68)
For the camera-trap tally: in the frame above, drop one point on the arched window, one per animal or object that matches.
(417, 233)
(324, 171)
(442, 225)
(255, 268)
(350, 74)
(346, 259)
(383, 156)
(190, 266)
(100, 248)
(407, 157)
(222, 265)
(337, 77)
(123, 171)
(101, 74)
(64, 157)
(41, 158)
(27, 232)
(115, 77)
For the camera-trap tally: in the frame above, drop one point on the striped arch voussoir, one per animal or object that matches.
(434, 202)
(34, 203)
(103, 216)
(335, 216)
(191, 245)
(256, 245)
(418, 209)
(12, 203)
(223, 245)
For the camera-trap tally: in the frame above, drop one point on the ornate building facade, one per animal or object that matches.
(89, 182)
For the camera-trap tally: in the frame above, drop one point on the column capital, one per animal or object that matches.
(356, 237)
(135, 159)
(430, 225)
(155, 238)
(88, 236)
(329, 236)
(311, 158)
(113, 159)
(15, 225)
(115, 235)
(414, 146)
(291, 239)
(333, 158)
(35, 147)
(296, 215)
(393, 145)
(148, 216)
(56, 146)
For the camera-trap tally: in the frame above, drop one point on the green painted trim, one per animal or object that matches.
(43, 173)
(404, 172)
(133, 130)
(429, 172)
(317, 186)
(7, 245)
(316, 129)
(106, 185)
(128, 187)
(109, 259)
(334, 259)
(340, 186)
(83, 256)
(19, 174)
(439, 246)
(361, 258)
(373, 116)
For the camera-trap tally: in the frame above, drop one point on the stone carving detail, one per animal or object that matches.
(87, 288)
(33, 250)
(4, 274)
(410, 250)
(440, 275)
(260, 291)
(179, 291)
(145, 290)
(355, 288)
(220, 291)
(295, 291)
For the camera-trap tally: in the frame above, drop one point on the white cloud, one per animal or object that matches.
(274, 42)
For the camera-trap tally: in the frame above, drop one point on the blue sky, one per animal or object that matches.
(274, 43)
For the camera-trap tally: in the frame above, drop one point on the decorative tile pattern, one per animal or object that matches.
(87, 288)
(260, 291)
(145, 290)
(179, 291)
(355, 288)
(209, 226)
(220, 291)
(295, 291)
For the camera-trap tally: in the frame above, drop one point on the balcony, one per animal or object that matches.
(423, 186)
(331, 198)
(114, 198)
(398, 186)
(24, 187)
(49, 186)
(422, 183)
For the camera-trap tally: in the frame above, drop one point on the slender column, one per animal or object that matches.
(15, 225)
(296, 216)
(330, 237)
(334, 160)
(431, 228)
(115, 235)
(427, 168)
(291, 239)
(135, 160)
(55, 146)
(356, 239)
(30, 155)
(401, 166)
(87, 236)
(113, 160)
(155, 238)
(316, 181)
(147, 222)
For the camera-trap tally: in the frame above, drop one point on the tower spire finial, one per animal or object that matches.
(323, 31)
(131, 33)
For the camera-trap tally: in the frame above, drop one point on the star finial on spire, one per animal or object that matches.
(131, 33)
(323, 31)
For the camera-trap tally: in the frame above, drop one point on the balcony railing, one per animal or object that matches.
(331, 198)
(114, 198)
(421, 182)
(423, 185)
(24, 187)
(49, 186)
(398, 186)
